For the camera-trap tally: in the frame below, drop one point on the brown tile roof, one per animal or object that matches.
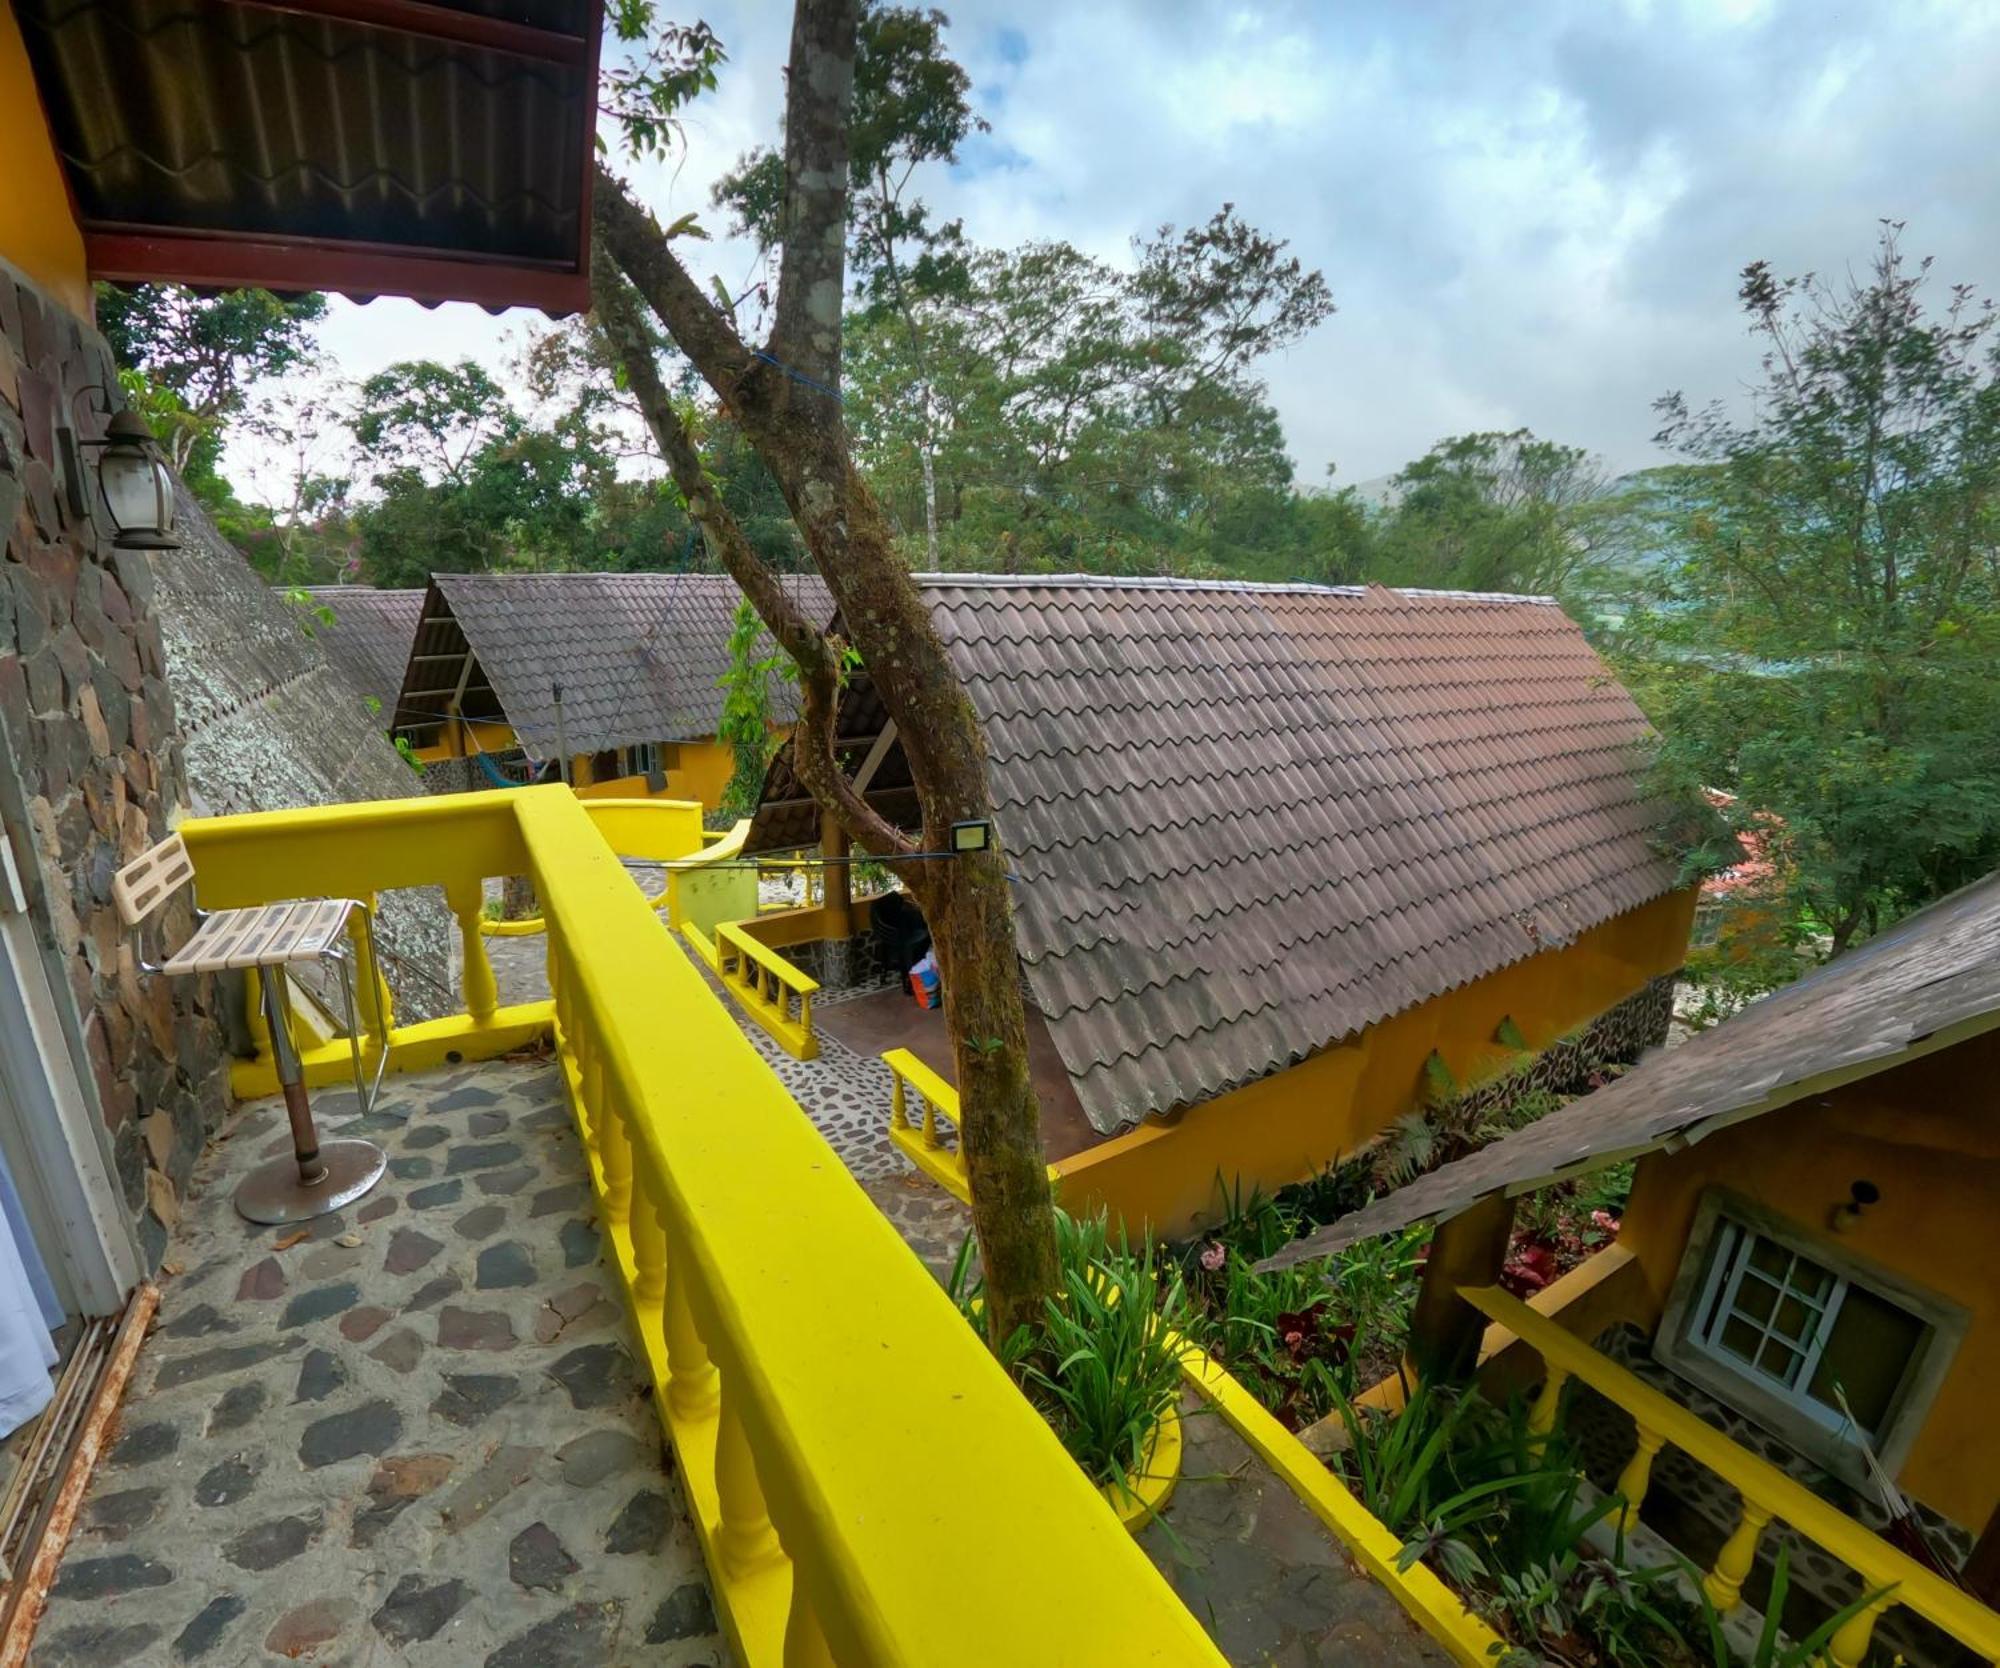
(640, 656)
(1932, 978)
(1246, 821)
(369, 638)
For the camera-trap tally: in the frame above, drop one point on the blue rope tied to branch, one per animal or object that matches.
(798, 376)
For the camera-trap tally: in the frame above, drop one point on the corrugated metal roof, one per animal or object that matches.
(640, 656)
(369, 637)
(1934, 972)
(438, 150)
(1246, 821)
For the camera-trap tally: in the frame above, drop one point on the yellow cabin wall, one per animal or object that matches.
(38, 229)
(1928, 1135)
(1295, 1123)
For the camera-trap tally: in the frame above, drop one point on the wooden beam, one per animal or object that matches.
(442, 23)
(876, 755)
(1468, 1250)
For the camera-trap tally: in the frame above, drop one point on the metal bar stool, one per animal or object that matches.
(320, 1177)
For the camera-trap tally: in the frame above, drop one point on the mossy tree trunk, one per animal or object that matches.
(785, 399)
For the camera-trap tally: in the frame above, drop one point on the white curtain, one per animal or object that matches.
(28, 1311)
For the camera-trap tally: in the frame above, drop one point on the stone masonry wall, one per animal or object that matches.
(91, 770)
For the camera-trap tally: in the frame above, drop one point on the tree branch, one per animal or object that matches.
(815, 655)
(812, 272)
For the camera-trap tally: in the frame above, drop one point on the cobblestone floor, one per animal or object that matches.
(415, 1435)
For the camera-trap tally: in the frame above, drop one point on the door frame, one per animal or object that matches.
(56, 1150)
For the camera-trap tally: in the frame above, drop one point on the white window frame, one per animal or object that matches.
(1712, 1267)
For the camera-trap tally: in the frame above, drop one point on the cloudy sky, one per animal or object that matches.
(1528, 214)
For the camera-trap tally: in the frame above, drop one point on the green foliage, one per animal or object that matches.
(1084, 416)
(1824, 622)
(206, 349)
(746, 710)
(1102, 1367)
(1496, 512)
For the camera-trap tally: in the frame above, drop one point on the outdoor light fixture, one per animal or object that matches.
(137, 486)
(971, 836)
(132, 478)
(1860, 1196)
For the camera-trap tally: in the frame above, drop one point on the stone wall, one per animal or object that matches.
(268, 723)
(91, 768)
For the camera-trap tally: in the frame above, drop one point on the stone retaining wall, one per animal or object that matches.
(91, 767)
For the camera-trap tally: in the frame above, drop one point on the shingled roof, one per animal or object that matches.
(1930, 980)
(368, 640)
(639, 656)
(1245, 821)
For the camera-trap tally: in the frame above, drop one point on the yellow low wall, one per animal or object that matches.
(1293, 1125)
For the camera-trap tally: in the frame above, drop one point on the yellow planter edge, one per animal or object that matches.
(1139, 1500)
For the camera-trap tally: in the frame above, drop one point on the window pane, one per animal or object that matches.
(1811, 1280)
(1780, 1360)
(1871, 1347)
(1739, 1337)
(1755, 1297)
(1795, 1320)
(1771, 1257)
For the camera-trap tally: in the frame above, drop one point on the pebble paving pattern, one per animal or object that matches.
(415, 1435)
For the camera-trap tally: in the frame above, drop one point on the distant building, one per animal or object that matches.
(622, 673)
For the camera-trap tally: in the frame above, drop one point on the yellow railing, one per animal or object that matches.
(714, 884)
(937, 1102)
(1767, 1493)
(834, 1420)
(809, 872)
(762, 983)
(361, 851)
(666, 831)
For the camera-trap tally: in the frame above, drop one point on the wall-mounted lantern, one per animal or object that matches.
(138, 487)
(132, 479)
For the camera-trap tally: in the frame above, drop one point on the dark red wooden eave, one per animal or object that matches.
(233, 260)
(226, 260)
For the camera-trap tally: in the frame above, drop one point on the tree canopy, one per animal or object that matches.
(1822, 636)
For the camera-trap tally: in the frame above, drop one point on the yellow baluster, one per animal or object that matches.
(1849, 1644)
(649, 1254)
(930, 1123)
(744, 1530)
(1724, 1583)
(805, 1640)
(614, 1148)
(368, 978)
(1633, 1480)
(692, 1381)
(590, 1090)
(1542, 1416)
(899, 1112)
(467, 899)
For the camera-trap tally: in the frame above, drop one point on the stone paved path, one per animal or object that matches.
(1271, 1585)
(415, 1437)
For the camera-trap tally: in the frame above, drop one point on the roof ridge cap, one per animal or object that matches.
(1167, 582)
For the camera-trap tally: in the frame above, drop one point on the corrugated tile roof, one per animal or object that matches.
(1937, 971)
(1246, 821)
(369, 638)
(436, 150)
(640, 656)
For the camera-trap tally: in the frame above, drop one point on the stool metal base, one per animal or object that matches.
(273, 1193)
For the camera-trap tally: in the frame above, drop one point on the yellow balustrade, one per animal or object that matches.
(921, 1140)
(359, 851)
(1767, 1493)
(936, 1102)
(791, 1334)
(834, 1420)
(665, 831)
(768, 988)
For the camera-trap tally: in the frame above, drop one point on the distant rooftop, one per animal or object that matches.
(639, 657)
(369, 638)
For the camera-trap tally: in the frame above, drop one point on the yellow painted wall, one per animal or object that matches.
(1928, 1135)
(38, 232)
(701, 772)
(1292, 1125)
